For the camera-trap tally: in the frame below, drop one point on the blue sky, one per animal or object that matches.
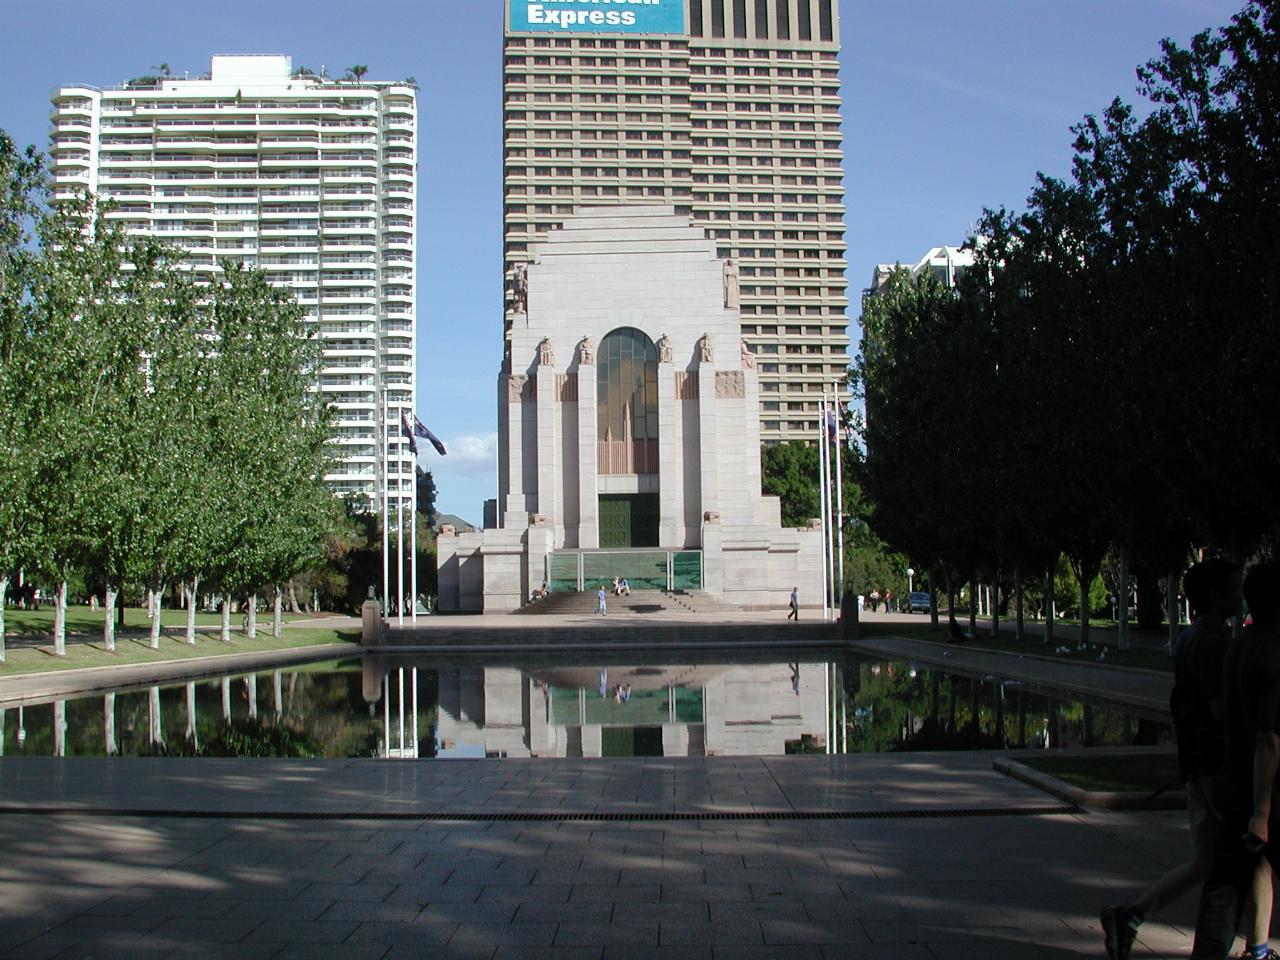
(948, 108)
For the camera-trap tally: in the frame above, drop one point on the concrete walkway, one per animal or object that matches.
(933, 857)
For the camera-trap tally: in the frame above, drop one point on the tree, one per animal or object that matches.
(426, 495)
(22, 183)
(357, 72)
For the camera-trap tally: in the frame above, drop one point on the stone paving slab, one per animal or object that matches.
(925, 887)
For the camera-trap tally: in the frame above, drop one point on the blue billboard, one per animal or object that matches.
(597, 16)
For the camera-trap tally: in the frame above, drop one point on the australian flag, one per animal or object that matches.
(419, 429)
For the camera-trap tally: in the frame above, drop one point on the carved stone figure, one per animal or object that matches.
(546, 356)
(516, 387)
(664, 349)
(730, 384)
(730, 284)
(704, 348)
(748, 358)
(520, 288)
(586, 351)
(711, 516)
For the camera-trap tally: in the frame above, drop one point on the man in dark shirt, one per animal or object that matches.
(1213, 587)
(1243, 793)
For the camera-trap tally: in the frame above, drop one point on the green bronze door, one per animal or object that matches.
(615, 521)
(628, 520)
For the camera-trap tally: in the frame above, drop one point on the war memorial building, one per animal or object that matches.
(628, 441)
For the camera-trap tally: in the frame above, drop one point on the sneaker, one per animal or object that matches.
(1119, 930)
(1269, 955)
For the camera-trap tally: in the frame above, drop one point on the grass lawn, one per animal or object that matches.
(1143, 657)
(80, 619)
(1121, 773)
(135, 650)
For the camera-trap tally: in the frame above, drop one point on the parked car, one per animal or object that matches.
(918, 601)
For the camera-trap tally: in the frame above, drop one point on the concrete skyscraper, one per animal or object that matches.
(312, 179)
(727, 110)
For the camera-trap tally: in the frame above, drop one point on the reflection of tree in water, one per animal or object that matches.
(896, 707)
(322, 714)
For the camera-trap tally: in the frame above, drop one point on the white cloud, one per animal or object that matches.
(469, 449)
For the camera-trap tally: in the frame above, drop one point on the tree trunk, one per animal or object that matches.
(226, 619)
(109, 617)
(193, 597)
(276, 612)
(933, 598)
(226, 700)
(60, 621)
(1171, 588)
(1019, 633)
(120, 610)
(293, 599)
(973, 606)
(251, 618)
(1122, 631)
(994, 602)
(153, 608)
(4, 587)
(1049, 614)
(1086, 579)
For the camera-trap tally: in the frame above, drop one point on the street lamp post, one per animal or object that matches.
(910, 581)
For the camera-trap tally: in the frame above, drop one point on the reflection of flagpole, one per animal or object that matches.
(386, 501)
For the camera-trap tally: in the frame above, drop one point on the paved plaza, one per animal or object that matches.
(910, 857)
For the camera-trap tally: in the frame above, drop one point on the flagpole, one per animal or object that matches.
(822, 500)
(831, 506)
(386, 504)
(399, 541)
(413, 545)
(840, 502)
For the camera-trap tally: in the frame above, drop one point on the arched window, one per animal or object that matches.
(627, 403)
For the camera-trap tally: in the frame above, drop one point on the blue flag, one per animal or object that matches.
(406, 431)
(421, 430)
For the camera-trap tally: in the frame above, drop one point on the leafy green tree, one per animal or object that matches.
(22, 183)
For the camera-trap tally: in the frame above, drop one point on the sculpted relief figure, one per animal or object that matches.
(586, 351)
(704, 348)
(546, 356)
(748, 358)
(730, 284)
(664, 349)
(520, 288)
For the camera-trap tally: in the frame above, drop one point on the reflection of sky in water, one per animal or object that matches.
(418, 707)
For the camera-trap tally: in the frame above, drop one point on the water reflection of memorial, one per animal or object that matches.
(621, 711)
(416, 706)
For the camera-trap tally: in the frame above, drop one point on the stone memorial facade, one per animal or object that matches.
(628, 428)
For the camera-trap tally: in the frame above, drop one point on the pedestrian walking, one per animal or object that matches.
(875, 600)
(1197, 707)
(795, 605)
(603, 597)
(1249, 841)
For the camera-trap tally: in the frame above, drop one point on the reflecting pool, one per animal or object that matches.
(620, 705)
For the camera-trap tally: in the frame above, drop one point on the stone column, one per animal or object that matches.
(514, 509)
(588, 484)
(708, 439)
(548, 448)
(670, 476)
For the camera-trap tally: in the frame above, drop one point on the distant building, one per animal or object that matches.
(312, 179)
(726, 110)
(944, 264)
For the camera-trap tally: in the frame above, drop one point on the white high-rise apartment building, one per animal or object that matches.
(727, 109)
(312, 179)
